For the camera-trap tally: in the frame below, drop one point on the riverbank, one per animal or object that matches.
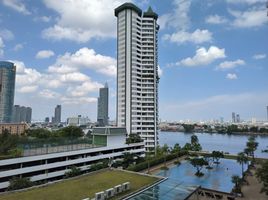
(233, 144)
(222, 133)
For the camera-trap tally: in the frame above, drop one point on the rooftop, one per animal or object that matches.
(127, 6)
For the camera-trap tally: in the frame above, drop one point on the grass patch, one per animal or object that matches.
(83, 187)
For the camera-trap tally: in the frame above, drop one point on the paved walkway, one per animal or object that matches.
(252, 191)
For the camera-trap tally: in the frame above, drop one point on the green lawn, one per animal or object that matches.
(83, 187)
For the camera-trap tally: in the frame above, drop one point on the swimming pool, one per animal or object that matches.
(182, 180)
(219, 178)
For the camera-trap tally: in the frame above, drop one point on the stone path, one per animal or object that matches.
(252, 191)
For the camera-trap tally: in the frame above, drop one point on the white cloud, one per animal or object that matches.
(82, 20)
(73, 77)
(49, 94)
(197, 37)
(18, 47)
(253, 17)
(203, 56)
(28, 76)
(78, 100)
(259, 56)
(85, 58)
(62, 69)
(6, 34)
(44, 54)
(16, 5)
(216, 19)
(245, 1)
(85, 88)
(68, 85)
(45, 18)
(230, 64)
(160, 71)
(231, 76)
(28, 89)
(179, 17)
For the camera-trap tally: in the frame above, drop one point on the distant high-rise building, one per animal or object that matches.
(28, 115)
(16, 113)
(78, 121)
(57, 115)
(53, 120)
(103, 106)
(137, 72)
(47, 120)
(21, 114)
(233, 117)
(7, 88)
(238, 118)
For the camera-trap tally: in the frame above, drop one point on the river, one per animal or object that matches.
(214, 141)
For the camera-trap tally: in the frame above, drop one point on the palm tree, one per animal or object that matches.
(237, 181)
(148, 159)
(165, 150)
(242, 159)
(252, 145)
(176, 150)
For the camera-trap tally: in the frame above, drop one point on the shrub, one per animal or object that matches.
(73, 172)
(155, 161)
(17, 183)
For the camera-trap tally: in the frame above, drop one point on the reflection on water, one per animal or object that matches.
(213, 141)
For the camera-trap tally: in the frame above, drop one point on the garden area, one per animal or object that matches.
(83, 186)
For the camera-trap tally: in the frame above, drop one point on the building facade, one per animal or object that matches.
(233, 117)
(57, 115)
(21, 114)
(14, 128)
(53, 166)
(103, 106)
(137, 72)
(7, 88)
(78, 121)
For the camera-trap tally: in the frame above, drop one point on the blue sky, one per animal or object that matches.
(213, 56)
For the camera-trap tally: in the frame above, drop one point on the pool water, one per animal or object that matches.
(219, 178)
(182, 180)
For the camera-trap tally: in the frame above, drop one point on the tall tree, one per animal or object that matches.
(262, 174)
(128, 159)
(252, 146)
(242, 159)
(237, 181)
(165, 150)
(198, 163)
(133, 138)
(217, 155)
(176, 150)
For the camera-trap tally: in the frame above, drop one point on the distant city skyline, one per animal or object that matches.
(212, 56)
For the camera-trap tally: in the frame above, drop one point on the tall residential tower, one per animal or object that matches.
(103, 106)
(7, 88)
(137, 72)
(57, 115)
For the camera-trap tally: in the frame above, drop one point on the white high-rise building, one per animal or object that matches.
(137, 72)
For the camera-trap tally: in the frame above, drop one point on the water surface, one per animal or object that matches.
(210, 142)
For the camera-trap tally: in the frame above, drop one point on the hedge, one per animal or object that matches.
(155, 161)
